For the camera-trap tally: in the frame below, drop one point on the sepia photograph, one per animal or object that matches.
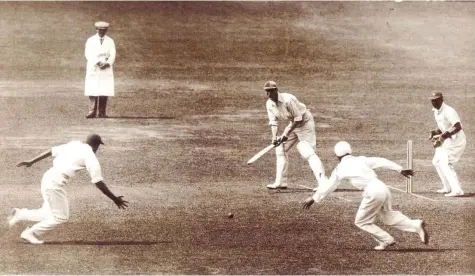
(237, 137)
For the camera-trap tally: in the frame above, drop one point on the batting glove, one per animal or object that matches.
(281, 140)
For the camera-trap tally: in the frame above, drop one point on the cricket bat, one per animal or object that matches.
(260, 154)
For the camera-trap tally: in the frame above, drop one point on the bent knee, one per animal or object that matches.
(60, 219)
(360, 224)
(305, 149)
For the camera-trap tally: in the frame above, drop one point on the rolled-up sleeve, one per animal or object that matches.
(94, 168)
(452, 117)
(293, 109)
(56, 150)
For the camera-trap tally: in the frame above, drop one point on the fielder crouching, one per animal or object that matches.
(300, 131)
(69, 158)
(359, 170)
(449, 141)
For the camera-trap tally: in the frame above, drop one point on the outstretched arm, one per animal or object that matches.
(121, 204)
(34, 160)
(379, 162)
(324, 189)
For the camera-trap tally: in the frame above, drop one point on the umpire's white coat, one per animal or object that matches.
(99, 82)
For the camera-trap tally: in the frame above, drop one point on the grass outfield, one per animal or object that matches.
(189, 113)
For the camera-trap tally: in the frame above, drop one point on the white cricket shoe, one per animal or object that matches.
(30, 237)
(385, 245)
(443, 191)
(277, 186)
(453, 194)
(13, 218)
(422, 232)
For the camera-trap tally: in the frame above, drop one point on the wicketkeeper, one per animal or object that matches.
(449, 142)
(300, 131)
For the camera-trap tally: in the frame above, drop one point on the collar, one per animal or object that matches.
(345, 156)
(440, 109)
(280, 98)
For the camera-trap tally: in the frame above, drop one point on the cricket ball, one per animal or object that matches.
(230, 215)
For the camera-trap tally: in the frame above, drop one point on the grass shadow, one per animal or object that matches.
(141, 117)
(116, 242)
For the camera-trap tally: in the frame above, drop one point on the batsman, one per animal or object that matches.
(300, 131)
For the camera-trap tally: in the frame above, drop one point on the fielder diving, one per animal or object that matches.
(301, 129)
(359, 170)
(68, 159)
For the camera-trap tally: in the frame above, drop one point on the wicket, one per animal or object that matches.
(409, 166)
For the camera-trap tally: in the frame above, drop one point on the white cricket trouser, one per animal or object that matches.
(377, 203)
(303, 133)
(444, 158)
(55, 208)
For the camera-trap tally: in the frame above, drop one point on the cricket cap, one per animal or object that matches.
(94, 139)
(436, 95)
(342, 148)
(270, 85)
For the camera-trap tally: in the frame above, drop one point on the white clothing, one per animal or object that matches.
(359, 170)
(446, 117)
(53, 212)
(289, 108)
(446, 171)
(99, 82)
(69, 158)
(451, 150)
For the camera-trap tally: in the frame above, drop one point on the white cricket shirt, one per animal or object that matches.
(359, 170)
(286, 108)
(72, 157)
(446, 117)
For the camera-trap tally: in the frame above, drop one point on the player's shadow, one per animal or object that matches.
(289, 190)
(348, 190)
(305, 190)
(435, 250)
(423, 249)
(468, 195)
(116, 242)
(142, 117)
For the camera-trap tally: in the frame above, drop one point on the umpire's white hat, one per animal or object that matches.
(342, 148)
(101, 25)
